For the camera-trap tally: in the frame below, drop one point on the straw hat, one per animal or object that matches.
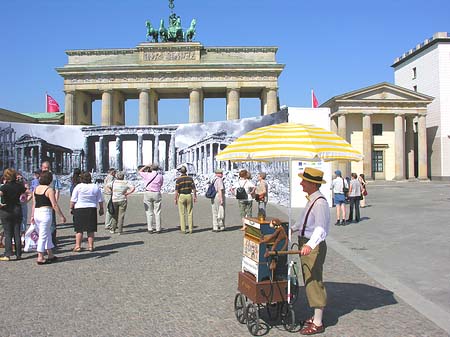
(312, 175)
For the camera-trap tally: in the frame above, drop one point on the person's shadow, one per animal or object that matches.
(343, 298)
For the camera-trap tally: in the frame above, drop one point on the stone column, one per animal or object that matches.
(172, 152)
(69, 108)
(144, 107)
(195, 159)
(107, 114)
(202, 106)
(86, 154)
(204, 159)
(422, 148)
(233, 106)
(21, 164)
(399, 147)
(39, 155)
(263, 102)
(211, 157)
(367, 144)
(272, 100)
(156, 149)
(101, 145)
(344, 166)
(140, 143)
(32, 160)
(119, 162)
(194, 106)
(153, 108)
(410, 147)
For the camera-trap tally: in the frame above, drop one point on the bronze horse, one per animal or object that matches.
(190, 33)
(151, 32)
(162, 31)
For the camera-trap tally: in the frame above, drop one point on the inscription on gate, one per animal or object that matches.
(170, 56)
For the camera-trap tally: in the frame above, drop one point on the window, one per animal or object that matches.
(377, 161)
(415, 88)
(377, 129)
(414, 73)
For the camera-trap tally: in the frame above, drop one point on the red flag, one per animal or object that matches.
(52, 105)
(314, 101)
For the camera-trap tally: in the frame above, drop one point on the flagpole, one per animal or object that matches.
(46, 101)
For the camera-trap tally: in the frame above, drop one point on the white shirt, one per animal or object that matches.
(355, 188)
(318, 224)
(338, 185)
(86, 195)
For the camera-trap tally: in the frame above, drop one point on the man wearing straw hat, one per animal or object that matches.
(312, 228)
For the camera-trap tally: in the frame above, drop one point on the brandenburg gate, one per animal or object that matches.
(167, 70)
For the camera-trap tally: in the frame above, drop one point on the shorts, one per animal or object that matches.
(339, 198)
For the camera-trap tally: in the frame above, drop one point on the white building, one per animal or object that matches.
(426, 69)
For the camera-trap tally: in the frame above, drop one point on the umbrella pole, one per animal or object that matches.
(290, 232)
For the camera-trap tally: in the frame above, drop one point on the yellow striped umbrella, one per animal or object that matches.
(289, 141)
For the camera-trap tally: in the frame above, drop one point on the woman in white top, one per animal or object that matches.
(244, 199)
(83, 203)
(120, 189)
(354, 195)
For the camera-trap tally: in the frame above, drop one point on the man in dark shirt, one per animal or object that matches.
(184, 188)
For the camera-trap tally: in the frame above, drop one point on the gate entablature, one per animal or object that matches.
(154, 71)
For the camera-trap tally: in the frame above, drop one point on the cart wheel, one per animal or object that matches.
(289, 319)
(253, 319)
(240, 308)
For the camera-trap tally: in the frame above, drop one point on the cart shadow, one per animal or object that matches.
(343, 298)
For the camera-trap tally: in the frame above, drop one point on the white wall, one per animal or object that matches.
(319, 117)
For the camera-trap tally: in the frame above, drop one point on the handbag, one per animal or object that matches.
(31, 238)
(344, 188)
(110, 206)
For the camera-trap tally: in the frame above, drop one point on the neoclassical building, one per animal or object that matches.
(387, 124)
(426, 69)
(154, 71)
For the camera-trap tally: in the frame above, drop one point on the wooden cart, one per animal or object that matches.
(263, 279)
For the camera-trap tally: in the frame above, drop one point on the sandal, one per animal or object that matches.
(91, 249)
(309, 321)
(77, 249)
(312, 329)
(42, 262)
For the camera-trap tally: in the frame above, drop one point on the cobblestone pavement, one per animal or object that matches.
(172, 284)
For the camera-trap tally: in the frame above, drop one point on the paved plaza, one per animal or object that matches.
(386, 276)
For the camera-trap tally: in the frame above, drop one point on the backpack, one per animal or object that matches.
(211, 191)
(241, 194)
(344, 188)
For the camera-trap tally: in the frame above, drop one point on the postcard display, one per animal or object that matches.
(253, 259)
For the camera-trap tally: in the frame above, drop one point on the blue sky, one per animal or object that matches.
(330, 46)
